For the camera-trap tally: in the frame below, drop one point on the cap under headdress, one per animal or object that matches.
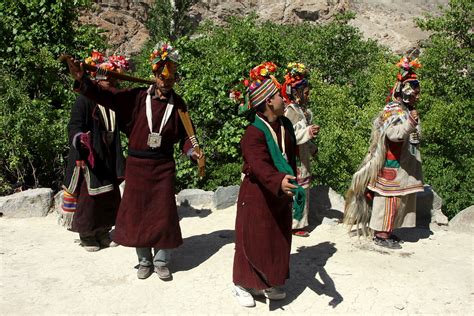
(406, 77)
(162, 56)
(115, 63)
(261, 86)
(295, 77)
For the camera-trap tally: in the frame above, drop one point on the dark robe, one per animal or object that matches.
(263, 223)
(148, 215)
(97, 187)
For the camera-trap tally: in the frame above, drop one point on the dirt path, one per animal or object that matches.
(44, 272)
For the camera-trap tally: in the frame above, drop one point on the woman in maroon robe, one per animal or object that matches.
(264, 207)
(147, 217)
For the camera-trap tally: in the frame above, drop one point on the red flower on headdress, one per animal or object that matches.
(95, 58)
(262, 71)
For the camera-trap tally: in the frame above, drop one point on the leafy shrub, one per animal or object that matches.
(218, 57)
(447, 107)
(34, 88)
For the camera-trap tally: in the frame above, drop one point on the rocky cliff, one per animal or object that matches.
(388, 21)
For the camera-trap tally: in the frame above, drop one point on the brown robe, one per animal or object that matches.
(147, 216)
(263, 223)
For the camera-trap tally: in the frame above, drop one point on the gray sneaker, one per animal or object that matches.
(144, 272)
(163, 272)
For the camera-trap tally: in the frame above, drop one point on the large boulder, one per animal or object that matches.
(29, 203)
(225, 197)
(195, 198)
(463, 222)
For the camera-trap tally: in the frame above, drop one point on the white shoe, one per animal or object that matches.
(243, 296)
(274, 293)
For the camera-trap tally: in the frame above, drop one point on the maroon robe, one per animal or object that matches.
(147, 216)
(263, 223)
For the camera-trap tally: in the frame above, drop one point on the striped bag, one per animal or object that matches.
(68, 208)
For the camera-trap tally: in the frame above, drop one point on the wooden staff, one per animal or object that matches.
(188, 126)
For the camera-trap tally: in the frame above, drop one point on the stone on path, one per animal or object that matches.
(194, 198)
(29, 203)
(225, 196)
(463, 222)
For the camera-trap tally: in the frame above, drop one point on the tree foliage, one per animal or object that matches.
(350, 78)
(218, 57)
(34, 94)
(447, 107)
(168, 20)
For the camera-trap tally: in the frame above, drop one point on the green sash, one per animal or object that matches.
(283, 166)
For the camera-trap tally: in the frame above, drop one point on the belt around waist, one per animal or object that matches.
(149, 154)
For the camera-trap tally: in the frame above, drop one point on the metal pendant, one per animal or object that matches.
(154, 140)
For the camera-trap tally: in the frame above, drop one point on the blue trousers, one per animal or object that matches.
(161, 257)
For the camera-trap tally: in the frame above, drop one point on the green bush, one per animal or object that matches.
(35, 97)
(350, 80)
(447, 107)
(218, 57)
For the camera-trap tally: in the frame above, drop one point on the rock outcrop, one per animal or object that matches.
(123, 22)
(391, 22)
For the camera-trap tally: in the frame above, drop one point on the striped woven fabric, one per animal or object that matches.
(265, 90)
(69, 204)
(392, 204)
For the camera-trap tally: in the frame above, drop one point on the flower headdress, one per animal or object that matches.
(295, 77)
(162, 53)
(261, 85)
(407, 69)
(115, 63)
(406, 78)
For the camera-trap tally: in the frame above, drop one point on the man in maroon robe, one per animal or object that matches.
(147, 218)
(264, 206)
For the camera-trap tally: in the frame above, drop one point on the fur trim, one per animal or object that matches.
(357, 211)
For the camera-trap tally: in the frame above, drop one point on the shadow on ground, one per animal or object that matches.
(413, 234)
(321, 207)
(197, 249)
(305, 266)
(188, 211)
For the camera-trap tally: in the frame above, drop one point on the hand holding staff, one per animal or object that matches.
(76, 68)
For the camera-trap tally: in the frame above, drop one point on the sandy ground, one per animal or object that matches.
(44, 271)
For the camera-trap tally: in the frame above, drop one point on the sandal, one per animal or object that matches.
(387, 243)
(301, 233)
